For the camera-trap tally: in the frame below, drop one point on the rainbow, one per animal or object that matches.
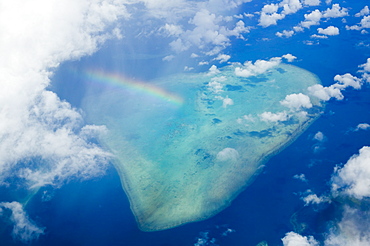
(118, 80)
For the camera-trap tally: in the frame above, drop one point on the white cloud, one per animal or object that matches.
(334, 91)
(366, 66)
(319, 36)
(301, 177)
(315, 16)
(179, 45)
(270, 8)
(274, 117)
(364, 23)
(285, 33)
(35, 122)
(202, 27)
(186, 68)
(228, 154)
(24, 229)
(365, 70)
(238, 30)
(290, 6)
(364, 11)
(325, 93)
(213, 70)
(319, 136)
(362, 126)
(330, 30)
(173, 30)
(168, 58)
(289, 57)
(256, 68)
(353, 178)
(311, 19)
(266, 20)
(312, 2)
(347, 80)
(215, 86)
(294, 239)
(335, 11)
(353, 229)
(314, 199)
(222, 58)
(227, 101)
(269, 13)
(296, 101)
(248, 15)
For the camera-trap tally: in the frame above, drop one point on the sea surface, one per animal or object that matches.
(97, 212)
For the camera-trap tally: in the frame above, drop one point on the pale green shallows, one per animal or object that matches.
(184, 163)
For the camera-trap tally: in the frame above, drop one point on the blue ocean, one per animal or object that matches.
(97, 211)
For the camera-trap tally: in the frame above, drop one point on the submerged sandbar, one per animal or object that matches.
(184, 162)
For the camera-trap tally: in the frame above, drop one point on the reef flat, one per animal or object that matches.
(185, 155)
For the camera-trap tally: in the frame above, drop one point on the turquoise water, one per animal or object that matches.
(184, 163)
(97, 212)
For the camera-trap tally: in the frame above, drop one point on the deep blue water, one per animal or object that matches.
(97, 212)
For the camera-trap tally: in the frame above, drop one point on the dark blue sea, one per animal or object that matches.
(97, 212)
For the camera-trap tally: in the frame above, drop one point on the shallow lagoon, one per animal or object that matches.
(184, 154)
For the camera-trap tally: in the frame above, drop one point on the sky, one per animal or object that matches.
(47, 141)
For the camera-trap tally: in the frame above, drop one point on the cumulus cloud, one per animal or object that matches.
(301, 177)
(35, 123)
(330, 30)
(312, 199)
(173, 30)
(353, 178)
(325, 93)
(311, 19)
(289, 57)
(222, 58)
(347, 80)
(290, 6)
(24, 229)
(274, 117)
(353, 229)
(258, 67)
(364, 23)
(269, 13)
(335, 11)
(294, 239)
(362, 126)
(227, 101)
(270, 8)
(228, 154)
(296, 101)
(316, 16)
(205, 26)
(266, 19)
(285, 33)
(215, 85)
(312, 2)
(364, 11)
(319, 36)
(319, 136)
(168, 58)
(213, 70)
(334, 91)
(366, 66)
(365, 70)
